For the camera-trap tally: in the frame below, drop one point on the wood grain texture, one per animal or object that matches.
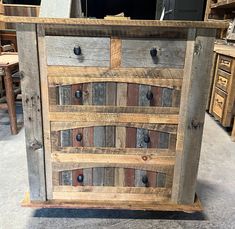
(114, 117)
(68, 80)
(45, 109)
(65, 135)
(130, 24)
(136, 53)
(168, 128)
(94, 51)
(102, 72)
(193, 104)
(31, 98)
(99, 98)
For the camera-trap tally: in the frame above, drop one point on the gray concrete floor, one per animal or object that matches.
(216, 189)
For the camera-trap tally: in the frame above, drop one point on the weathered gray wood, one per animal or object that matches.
(143, 101)
(66, 135)
(193, 104)
(167, 97)
(99, 98)
(136, 53)
(161, 180)
(55, 9)
(31, 97)
(111, 92)
(94, 51)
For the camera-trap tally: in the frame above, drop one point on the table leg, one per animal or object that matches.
(10, 100)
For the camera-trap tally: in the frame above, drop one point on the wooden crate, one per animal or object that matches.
(114, 110)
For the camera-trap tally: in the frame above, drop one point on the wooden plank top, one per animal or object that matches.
(7, 59)
(129, 23)
(227, 50)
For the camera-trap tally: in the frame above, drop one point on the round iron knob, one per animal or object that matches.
(78, 94)
(77, 50)
(80, 178)
(146, 138)
(153, 52)
(79, 137)
(149, 95)
(145, 179)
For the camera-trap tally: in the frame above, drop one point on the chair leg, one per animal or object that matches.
(10, 100)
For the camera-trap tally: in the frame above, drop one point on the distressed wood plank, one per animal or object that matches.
(114, 117)
(95, 72)
(136, 53)
(45, 110)
(193, 104)
(168, 83)
(99, 98)
(94, 51)
(31, 98)
(168, 128)
(115, 109)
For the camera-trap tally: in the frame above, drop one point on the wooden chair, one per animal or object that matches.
(7, 98)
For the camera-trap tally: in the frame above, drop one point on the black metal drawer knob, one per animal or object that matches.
(77, 50)
(145, 179)
(149, 95)
(79, 137)
(153, 52)
(78, 94)
(80, 178)
(146, 138)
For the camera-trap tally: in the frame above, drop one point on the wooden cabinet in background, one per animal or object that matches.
(222, 103)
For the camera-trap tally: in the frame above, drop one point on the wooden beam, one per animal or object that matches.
(192, 113)
(113, 117)
(31, 98)
(112, 23)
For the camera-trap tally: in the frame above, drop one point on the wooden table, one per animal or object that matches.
(9, 62)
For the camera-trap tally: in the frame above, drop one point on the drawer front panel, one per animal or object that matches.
(107, 176)
(153, 53)
(222, 80)
(219, 103)
(126, 95)
(78, 51)
(159, 136)
(225, 63)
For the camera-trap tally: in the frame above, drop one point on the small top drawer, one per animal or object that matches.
(225, 63)
(222, 80)
(78, 51)
(153, 53)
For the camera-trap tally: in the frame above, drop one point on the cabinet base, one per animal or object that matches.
(146, 206)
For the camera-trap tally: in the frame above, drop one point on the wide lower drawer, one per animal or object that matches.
(78, 51)
(153, 53)
(219, 101)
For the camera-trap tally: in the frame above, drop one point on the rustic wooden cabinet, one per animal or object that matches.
(222, 105)
(114, 111)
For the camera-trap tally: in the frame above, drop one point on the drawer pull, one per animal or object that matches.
(153, 52)
(149, 95)
(77, 50)
(79, 137)
(146, 138)
(80, 178)
(145, 179)
(78, 94)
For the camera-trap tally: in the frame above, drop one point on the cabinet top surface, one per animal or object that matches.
(226, 50)
(102, 22)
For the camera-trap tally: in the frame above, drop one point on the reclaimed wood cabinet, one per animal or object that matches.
(222, 104)
(114, 111)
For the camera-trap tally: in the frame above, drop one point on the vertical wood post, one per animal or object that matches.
(192, 113)
(31, 98)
